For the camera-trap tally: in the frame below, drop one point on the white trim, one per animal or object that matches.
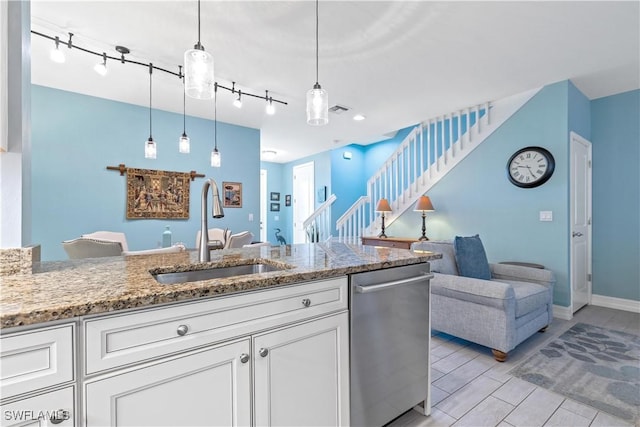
(562, 312)
(617, 303)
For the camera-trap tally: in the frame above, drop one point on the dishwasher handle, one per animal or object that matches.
(386, 285)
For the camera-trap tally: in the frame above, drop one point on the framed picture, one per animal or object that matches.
(287, 200)
(275, 196)
(232, 192)
(275, 207)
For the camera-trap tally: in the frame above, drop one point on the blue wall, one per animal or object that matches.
(76, 136)
(276, 219)
(616, 193)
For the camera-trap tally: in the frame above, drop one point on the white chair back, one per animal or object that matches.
(239, 240)
(109, 235)
(91, 248)
(221, 234)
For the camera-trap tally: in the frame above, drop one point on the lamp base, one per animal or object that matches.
(423, 238)
(384, 236)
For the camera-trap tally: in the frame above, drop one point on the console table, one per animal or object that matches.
(389, 242)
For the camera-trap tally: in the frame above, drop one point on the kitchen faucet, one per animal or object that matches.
(217, 212)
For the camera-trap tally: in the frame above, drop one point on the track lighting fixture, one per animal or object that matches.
(56, 54)
(270, 108)
(198, 70)
(317, 98)
(150, 149)
(216, 158)
(184, 144)
(238, 101)
(101, 67)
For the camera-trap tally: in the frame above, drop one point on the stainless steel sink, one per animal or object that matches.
(171, 278)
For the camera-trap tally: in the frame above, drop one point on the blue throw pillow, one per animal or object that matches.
(471, 257)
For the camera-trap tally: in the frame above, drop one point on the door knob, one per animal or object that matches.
(244, 357)
(576, 234)
(263, 352)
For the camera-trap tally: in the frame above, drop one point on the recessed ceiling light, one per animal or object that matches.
(359, 117)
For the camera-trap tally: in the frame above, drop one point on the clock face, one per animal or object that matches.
(530, 167)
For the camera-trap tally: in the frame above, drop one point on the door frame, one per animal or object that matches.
(295, 234)
(575, 138)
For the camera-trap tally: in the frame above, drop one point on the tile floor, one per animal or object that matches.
(469, 388)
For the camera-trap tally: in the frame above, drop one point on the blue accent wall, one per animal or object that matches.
(477, 198)
(615, 142)
(276, 219)
(75, 137)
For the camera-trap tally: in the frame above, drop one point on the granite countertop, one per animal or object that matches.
(63, 290)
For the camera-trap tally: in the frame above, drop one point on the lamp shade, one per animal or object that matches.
(424, 204)
(383, 206)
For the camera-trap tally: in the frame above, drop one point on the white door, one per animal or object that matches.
(301, 374)
(580, 217)
(303, 198)
(263, 205)
(209, 387)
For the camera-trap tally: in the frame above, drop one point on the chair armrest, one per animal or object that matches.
(478, 291)
(171, 249)
(541, 276)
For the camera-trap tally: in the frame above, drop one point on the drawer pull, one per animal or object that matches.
(182, 330)
(244, 357)
(59, 416)
(263, 352)
(306, 302)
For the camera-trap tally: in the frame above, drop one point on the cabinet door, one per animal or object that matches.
(38, 411)
(206, 387)
(301, 374)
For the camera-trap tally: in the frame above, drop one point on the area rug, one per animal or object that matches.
(596, 366)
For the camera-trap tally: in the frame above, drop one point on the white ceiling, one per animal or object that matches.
(396, 62)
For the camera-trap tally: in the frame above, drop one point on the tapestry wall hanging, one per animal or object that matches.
(157, 194)
(232, 194)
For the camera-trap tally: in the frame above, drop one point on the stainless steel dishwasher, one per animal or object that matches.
(389, 343)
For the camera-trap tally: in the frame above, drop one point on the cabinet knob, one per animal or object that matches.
(244, 357)
(263, 352)
(59, 416)
(182, 330)
(306, 302)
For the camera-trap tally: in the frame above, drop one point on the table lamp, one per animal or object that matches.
(423, 205)
(383, 206)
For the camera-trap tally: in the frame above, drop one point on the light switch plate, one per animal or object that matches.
(546, 215)
(250, 217)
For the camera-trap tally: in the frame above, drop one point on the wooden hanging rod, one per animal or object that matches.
(123, 169)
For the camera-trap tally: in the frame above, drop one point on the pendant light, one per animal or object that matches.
(198, 70)
(317, 98)
(216, 158)
(184, 145)
(150, 146)
(101, 67)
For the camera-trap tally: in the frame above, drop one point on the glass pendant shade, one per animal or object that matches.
(270, 108)
(216, 159)
(198, 73)
(101, 69)
(317, 106)
(150, 149)
(184, 144)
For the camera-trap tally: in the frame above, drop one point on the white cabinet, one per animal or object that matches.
(47, 409)
(274, 357)
(205, 387)
(301, 374)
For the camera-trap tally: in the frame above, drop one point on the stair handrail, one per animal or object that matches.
(320, 217)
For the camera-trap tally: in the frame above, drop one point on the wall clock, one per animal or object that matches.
(530, 167)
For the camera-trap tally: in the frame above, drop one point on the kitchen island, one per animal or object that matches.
(260, 349)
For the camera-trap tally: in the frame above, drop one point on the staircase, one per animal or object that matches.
(318, 226)
(428, 153)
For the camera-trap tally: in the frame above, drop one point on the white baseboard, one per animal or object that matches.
(612, 302)
(562, 312)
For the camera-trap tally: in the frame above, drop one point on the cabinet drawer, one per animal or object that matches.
(118, 340)
(35, 359)
(59, 405)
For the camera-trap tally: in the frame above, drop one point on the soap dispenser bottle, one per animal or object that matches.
(166, 237)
